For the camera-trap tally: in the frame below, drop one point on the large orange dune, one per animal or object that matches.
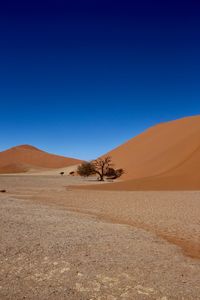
(25, 157)
(165, 157)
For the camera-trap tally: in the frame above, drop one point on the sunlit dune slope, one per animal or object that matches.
(163, 148)
(165, 157)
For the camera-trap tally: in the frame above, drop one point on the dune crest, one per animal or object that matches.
(25, 147)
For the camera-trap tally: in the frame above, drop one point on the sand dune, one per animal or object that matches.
(159, 149)
(25, 158)
(165, 157)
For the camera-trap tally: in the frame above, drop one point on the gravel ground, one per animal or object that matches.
(50, 252)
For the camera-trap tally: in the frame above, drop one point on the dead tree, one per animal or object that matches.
(101, 166)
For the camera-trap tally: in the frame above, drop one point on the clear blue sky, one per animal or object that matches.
(78, 78)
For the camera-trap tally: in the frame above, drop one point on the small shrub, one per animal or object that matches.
(114, 173)
(110, 172)
(86, 169)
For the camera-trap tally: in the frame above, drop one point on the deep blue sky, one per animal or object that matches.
(80, 77)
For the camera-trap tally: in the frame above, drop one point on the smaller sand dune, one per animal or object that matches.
(27, 158)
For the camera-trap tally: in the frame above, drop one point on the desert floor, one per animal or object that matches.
(57, 242)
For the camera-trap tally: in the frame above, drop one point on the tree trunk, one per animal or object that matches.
(101, 178)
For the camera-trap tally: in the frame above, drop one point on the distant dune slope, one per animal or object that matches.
(25, 157)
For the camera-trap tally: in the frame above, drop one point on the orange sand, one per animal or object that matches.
(23, 158)
(165, 157)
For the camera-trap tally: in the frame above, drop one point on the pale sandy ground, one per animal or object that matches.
(51, 172)
(47, 172)
(60, 243)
